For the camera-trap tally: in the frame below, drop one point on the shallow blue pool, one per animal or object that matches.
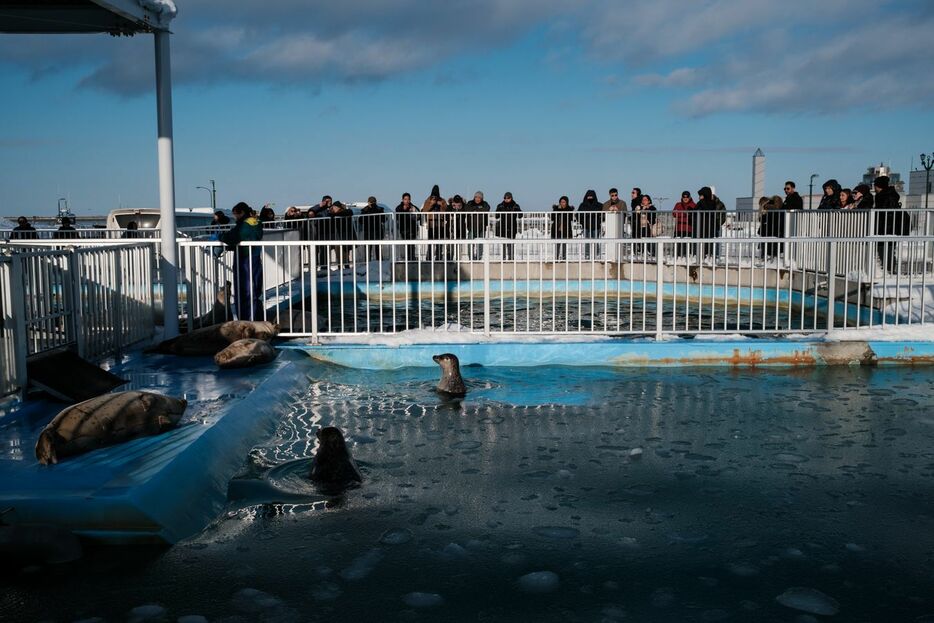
(558, 494)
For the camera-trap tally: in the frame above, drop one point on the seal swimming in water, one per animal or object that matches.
(211, 340)
(107, 420)
(333, 467)
(245, 353)
(451, 383)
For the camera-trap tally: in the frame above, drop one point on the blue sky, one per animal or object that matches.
(541, 98)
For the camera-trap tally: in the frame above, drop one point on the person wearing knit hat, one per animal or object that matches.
(507, 224)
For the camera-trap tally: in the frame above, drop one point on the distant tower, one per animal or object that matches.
(758, 175)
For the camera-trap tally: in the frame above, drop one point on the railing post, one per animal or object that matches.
(77, 317)
(659, 286)
(313, 265)
(486, 288)
(831, 283)
(117, 297)
(18, 318)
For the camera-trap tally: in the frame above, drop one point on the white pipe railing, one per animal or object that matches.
(650, 286)
(97, 299)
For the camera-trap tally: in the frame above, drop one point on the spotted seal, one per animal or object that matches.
(451, 383)
(107, 420)
(333, 467)
(211, 340)
(245, 353)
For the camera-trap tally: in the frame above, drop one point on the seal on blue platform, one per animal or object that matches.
(451, 383)
(245, 353)
(333, 468)
(107, 420)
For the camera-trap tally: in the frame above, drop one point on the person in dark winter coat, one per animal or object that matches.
(316, 229)
(643, 220)
(23, 230)
(339, 219)
(890, 221)
(636, 199)
(435, 211)
(793, 200)
(267, 214)
(407, 223)
(248, 265)
(66, 231)
(374, 226)
(771, 224)
(862, 196)
(478, 211)
(710, 215)
(684, 222)
(590, 216)
(562, 226)
(831, 198)
(508, 214)
(220, 218)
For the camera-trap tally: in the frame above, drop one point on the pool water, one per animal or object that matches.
(558, 494)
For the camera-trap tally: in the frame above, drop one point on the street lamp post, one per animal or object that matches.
(927, 162)
(811, 191)
(213, 191)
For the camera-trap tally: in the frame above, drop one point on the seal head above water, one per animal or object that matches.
(333, 467)
(451, 383)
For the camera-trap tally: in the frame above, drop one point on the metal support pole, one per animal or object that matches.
(169, 261)
(486, 287)
(659, 287)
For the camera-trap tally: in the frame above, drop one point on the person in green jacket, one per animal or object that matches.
(248, 262)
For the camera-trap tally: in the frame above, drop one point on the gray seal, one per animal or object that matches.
(211, 340)
(107, 420)
(333, 467)
(245, 353)
(451, 383)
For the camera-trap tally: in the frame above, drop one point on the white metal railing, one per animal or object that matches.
(623, 287)
(98, 300)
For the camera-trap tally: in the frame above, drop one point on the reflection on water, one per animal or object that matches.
(566, 494)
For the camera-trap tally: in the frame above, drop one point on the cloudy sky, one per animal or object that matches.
(285, 101)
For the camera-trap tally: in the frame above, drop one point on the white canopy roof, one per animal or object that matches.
(117, 17)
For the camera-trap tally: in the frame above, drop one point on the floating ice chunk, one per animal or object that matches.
(556, 532)
(809, 600)
(539, 582)
(192, 618)
(856, 549)
(253, 601)
(423, 600)
(362, 566)
(742, 569)
(465, 445)
(150, 613)
(453, 551)
(396, 536)
(635, 454)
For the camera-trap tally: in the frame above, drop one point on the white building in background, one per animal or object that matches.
(914, 199)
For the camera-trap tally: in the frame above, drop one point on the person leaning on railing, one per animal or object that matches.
(771, 225)
(508, 214)
(66, 231)
(339, 228)
(407, 223)
(248, 265)
(710, 214)
(562, 226)
(890, 221)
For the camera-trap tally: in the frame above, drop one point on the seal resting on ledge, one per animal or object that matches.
(333, 468)
(245, 353)
(105, 421)
(211, 340)
(451, 383)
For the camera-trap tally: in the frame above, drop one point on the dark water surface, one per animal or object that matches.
(558, 494)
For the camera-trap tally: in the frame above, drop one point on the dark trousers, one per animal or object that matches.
(248, 284)
(888, 255)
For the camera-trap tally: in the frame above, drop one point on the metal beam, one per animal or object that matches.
(169, 253)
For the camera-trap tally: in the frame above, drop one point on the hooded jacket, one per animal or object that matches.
(890, 220)
(831, 201)
(594, 220)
